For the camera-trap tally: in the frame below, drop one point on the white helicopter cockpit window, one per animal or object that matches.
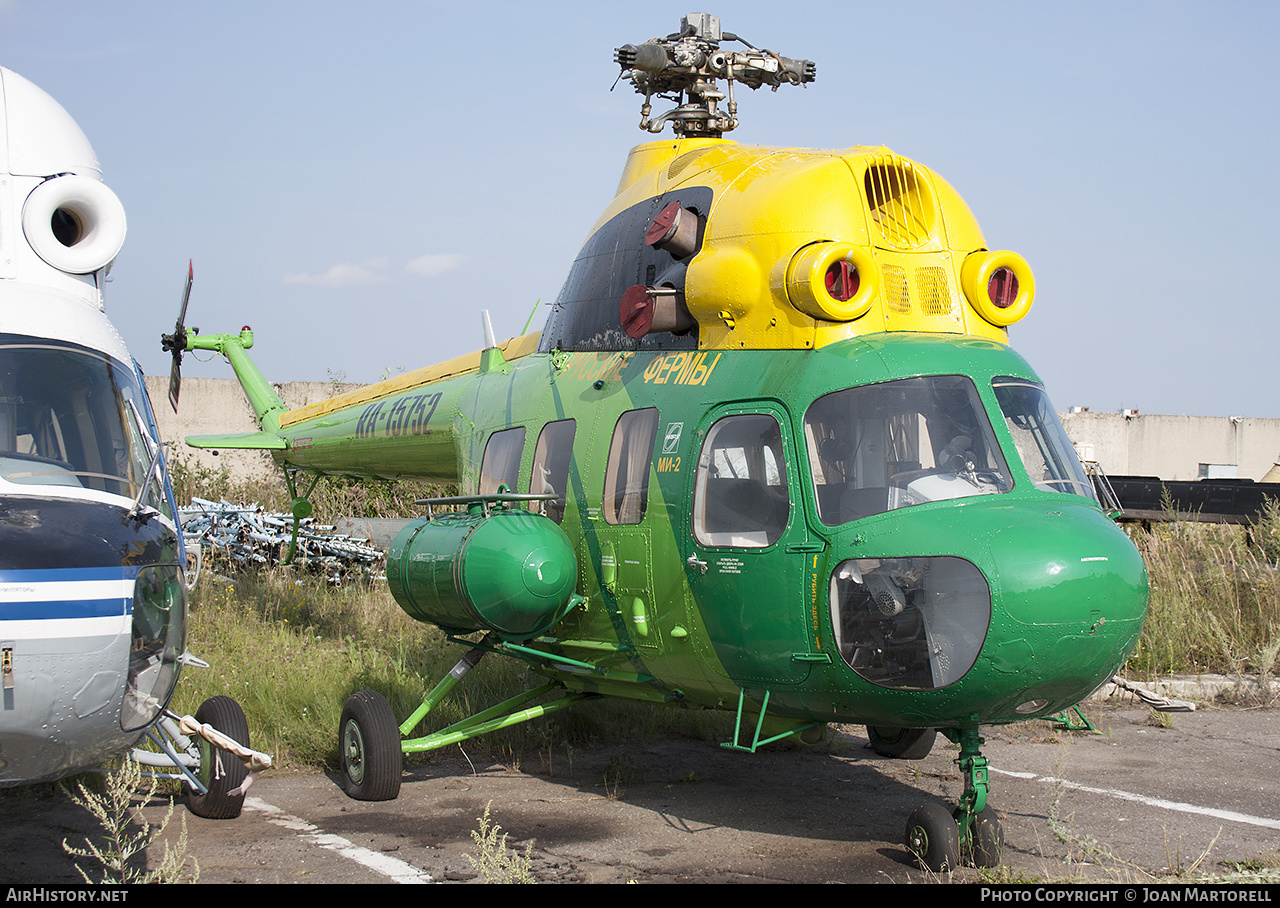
(741, 496)
(501, 463)
(1042, 442)
(900, 443)
(550, 475)
(69, 417)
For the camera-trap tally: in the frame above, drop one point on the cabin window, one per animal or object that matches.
(1042, 443)
(501, 463)
(910, 623)
(626, 479)
(551, 467)
(901, 443)
(70, 416)
(741, 496)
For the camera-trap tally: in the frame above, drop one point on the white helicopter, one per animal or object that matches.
(93, 581)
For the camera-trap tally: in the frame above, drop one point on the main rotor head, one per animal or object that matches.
(686, 67)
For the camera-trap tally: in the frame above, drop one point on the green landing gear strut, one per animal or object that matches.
(371, 746)
(940, 840)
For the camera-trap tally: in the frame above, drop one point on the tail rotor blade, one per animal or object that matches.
(175, 380)
(186, 296)
(176, 342)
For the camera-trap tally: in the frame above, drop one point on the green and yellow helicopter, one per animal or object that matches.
(771, 453)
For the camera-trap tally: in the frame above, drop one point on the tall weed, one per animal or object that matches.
(1215, 597)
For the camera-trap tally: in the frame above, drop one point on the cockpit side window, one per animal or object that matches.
(900, 443)
(741, 496)
(68, 417)
(1042, 442)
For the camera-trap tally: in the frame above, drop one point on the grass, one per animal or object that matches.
(1215, 598)
(291, 653)
(127, 835)
(494, 859)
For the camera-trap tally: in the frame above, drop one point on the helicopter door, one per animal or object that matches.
(749, 549)
(624, 549)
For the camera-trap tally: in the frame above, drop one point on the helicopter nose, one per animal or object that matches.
(1073, 595)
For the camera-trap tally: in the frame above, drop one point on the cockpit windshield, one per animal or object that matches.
(900, 443)
(72, 417)
(1042, 443)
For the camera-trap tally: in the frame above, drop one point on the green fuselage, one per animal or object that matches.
(722, 566)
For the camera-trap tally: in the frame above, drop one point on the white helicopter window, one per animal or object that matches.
(551, 467)
(626, 478)
(910, 623)
(1042, 442)
(741, 496)
(68, 417)
(896, 444)
(501, 463)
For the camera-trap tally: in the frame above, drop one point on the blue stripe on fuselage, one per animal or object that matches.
(101, 592)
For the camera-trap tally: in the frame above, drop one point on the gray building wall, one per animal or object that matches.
(1170, 447)
(217, 406)
(1174, 447)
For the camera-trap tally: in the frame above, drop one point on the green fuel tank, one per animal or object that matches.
(502, 570)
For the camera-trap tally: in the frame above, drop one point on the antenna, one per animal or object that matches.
(489, 342)
(685, 68)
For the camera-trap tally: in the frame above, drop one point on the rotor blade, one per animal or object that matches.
(175, 380)
(186, 296)
(178, 342)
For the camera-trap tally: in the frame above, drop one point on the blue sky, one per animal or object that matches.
(358, 181)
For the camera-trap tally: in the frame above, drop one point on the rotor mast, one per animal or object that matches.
(686, 68)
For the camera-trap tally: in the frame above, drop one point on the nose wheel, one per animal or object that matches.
(940, 840)
(933, 838)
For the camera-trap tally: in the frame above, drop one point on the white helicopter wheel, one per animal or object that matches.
(369, 748)
(220, 771)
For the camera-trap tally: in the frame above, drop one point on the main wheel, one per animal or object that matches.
(987, 841)
(220, 771)
(933, 838)
(902, 743)
(369, 748)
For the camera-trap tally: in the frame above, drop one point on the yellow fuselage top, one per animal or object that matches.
(782, 219)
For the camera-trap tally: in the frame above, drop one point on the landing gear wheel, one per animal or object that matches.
(933, 838)
(369, 748)
(220, 771)
(901, 743)
(987, 841)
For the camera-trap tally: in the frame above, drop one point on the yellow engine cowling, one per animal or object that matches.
(803, 248)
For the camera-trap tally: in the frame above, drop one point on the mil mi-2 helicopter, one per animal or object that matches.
(93, 592)
(771, 453)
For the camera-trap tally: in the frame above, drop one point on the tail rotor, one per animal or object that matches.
(176, 342)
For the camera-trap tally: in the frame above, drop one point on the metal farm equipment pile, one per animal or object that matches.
(250, 536)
